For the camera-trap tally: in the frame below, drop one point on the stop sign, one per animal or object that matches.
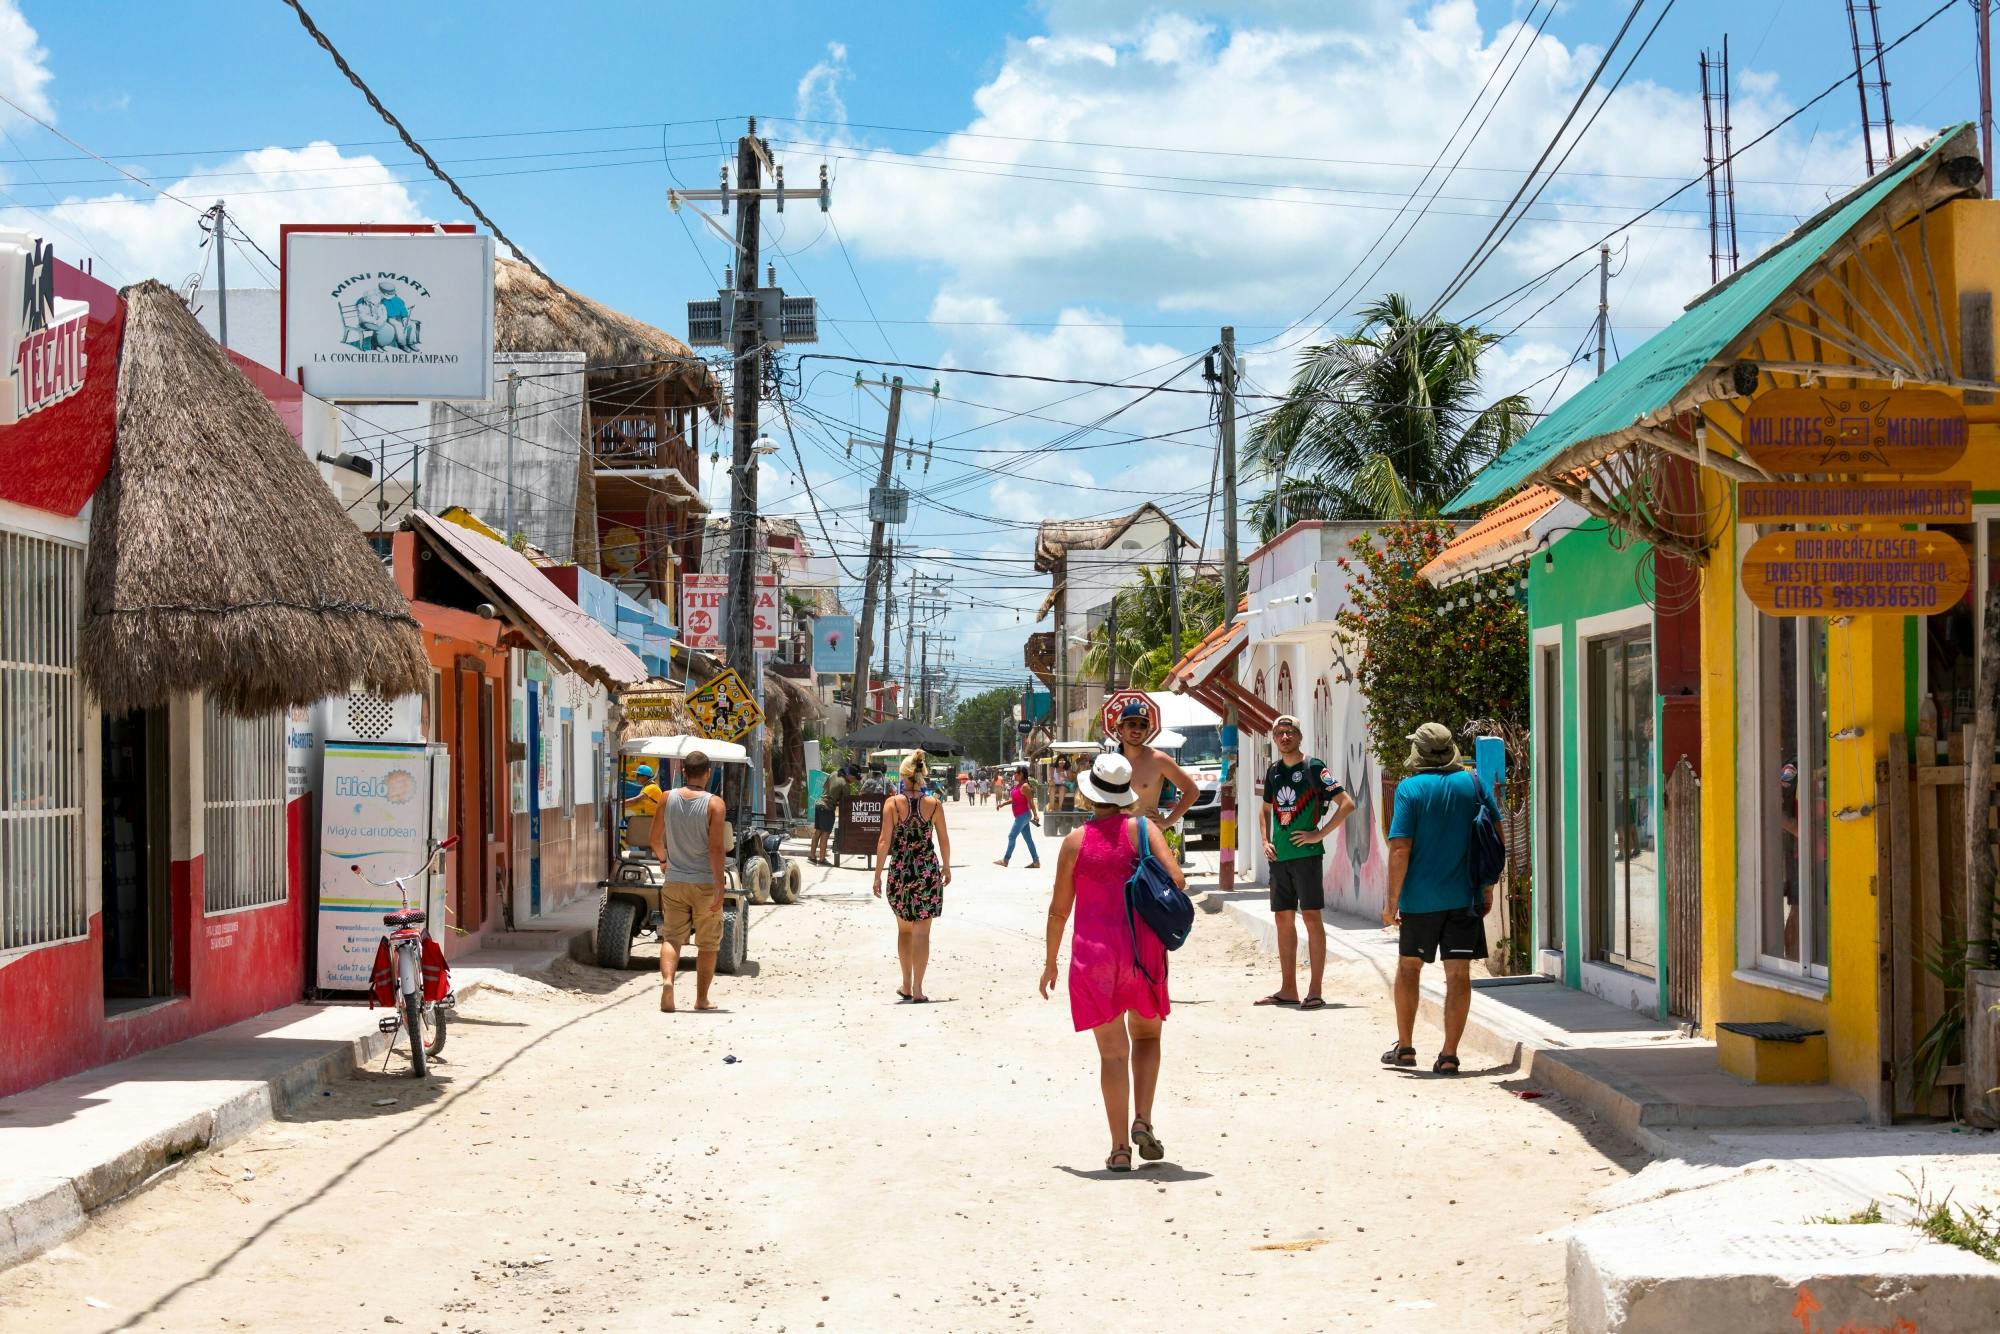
(1114, 704)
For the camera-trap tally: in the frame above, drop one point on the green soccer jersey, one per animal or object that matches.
(1299, 796)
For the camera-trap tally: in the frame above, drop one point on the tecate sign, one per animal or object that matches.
(389, 316)
(41, 334)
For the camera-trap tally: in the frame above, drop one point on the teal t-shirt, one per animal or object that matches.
(1434, 811)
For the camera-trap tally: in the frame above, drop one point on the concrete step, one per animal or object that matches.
(1878, 1276)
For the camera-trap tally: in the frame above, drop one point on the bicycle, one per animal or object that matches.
(424, 1020)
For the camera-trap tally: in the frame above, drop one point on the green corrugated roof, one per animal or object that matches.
(1665, 364)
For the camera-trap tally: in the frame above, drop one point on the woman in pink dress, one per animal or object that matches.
(1117, 966)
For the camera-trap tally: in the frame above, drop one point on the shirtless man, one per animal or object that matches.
(1151, 768)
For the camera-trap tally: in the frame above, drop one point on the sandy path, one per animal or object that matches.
(584, 1162)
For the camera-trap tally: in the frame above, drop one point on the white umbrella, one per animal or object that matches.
(678, 748)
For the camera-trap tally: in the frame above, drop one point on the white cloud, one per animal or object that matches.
(139, 235)
(818, 96)
(24, 72)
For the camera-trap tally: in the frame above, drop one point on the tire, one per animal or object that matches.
(436, 1043)
(413, 1022)
(787, 887)
(616, 923)
(757, 880)
(735, 948)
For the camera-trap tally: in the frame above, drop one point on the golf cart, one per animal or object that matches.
(754, 871)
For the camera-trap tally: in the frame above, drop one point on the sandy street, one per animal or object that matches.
(583, 1162)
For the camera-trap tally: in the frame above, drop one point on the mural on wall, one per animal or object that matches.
(1357, 874)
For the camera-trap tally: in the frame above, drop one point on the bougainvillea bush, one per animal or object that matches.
(1426, 654)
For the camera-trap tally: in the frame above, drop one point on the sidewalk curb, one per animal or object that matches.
(38, 1214)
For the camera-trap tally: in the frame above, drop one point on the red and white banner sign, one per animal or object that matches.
(705, 609)
(702, 596)
(41, 334)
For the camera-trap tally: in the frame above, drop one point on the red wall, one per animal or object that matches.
(226, 969)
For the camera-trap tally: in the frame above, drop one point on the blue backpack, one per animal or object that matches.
(1489, 847)
(1152, 897)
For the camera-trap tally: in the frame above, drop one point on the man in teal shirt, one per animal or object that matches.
(1431, 893)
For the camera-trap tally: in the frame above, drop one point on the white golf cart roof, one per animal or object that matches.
(1076, 747)
(679, 747)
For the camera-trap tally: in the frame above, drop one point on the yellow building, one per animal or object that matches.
(1831, 847)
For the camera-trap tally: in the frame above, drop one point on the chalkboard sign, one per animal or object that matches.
(860, 825)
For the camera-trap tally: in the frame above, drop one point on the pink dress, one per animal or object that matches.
(1103, 981)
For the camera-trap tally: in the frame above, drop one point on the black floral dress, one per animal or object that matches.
(916, 880)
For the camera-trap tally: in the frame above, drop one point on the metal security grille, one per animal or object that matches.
(243, 810)
(41, 743)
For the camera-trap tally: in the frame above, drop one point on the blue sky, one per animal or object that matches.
(1003, 189)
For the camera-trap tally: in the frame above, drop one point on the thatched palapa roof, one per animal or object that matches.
(531, 315)
(219, 561)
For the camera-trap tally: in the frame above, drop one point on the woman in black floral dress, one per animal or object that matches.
(917, 871)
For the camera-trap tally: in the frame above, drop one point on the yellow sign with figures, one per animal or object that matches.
(723, 709)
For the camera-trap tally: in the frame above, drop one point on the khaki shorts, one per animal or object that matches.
(690, 909)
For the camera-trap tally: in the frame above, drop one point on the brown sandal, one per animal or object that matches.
(1111, 1164)
(1149, 1144)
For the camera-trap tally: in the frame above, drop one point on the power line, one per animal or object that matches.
(409, 141)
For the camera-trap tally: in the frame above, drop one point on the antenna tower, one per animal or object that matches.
(1721, 171)
(1871, 81)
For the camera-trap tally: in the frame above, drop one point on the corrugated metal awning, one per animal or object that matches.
(555, 625)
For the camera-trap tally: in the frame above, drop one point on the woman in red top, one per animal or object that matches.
(1117, 967)
(1024, 819)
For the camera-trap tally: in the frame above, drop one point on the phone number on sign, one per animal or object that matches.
(1866, 597)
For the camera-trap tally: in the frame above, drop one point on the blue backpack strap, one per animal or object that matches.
(1131, 919)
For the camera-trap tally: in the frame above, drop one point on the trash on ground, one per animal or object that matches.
(1528, 1095)
(1304, 1244)
(385, 1102)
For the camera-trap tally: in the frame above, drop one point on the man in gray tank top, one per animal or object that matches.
(687, 842)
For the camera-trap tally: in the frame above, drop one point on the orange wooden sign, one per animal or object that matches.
(1835, 574)
(1848, 430)
(1854, 502)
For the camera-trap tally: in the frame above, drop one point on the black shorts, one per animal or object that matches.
(1455, 933)
(1296, 884)
(823, 818)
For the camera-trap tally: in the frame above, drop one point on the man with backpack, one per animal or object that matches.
(1431, 888)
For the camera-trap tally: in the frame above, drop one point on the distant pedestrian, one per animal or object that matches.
(1059, 784)
(1024, 819)
(646, 801)
(687, 843)
(917, 872)
(1117, 970)
(876, 783)
(1303, 804)
(823, 816)
(1431, 891)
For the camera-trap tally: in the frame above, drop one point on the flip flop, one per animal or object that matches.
(1275, 999)
(1313, 1003)
(902, 996)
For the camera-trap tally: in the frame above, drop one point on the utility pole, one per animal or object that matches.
(507, 510)
(750, 321)
(924, 679)
(909, 633)
(1983, 22)
(864, 635)
(1603, 301)
(1174, 593)
(888, 612)
(1226, 869)
(1111, 649)
(221, 238)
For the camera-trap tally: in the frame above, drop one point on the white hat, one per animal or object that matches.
(1108, 781)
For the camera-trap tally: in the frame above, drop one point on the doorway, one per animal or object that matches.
(469, 804)
(138, 939)
(1622, 872)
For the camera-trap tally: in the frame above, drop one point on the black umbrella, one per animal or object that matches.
(902, 734)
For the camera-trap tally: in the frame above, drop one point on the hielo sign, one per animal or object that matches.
(41, 335)
(388, 315)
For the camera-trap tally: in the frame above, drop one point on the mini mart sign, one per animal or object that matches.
(41, 334)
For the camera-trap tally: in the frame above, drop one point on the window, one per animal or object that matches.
(1623, 871)
(1791, 805)
(41, 743)
(1549, 759)
(243, 811)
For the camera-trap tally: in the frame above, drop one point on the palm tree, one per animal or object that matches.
(1145, 626)
(1387, 423)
